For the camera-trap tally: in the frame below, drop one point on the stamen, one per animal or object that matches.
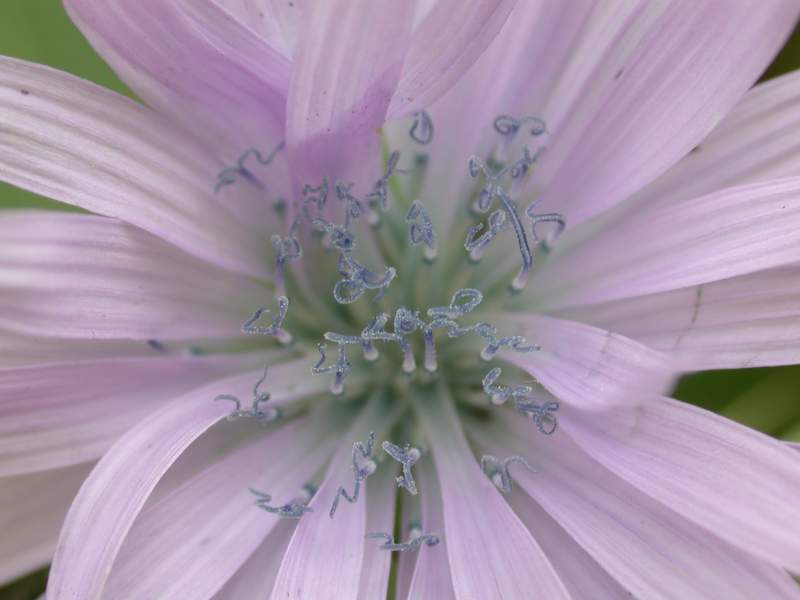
(543, 415)
(414, 542)
(276, 327)
(498, 471)
(269, 415)
(407, 456)
(420, 230)
(292, 510)
(286, 249)
(229, 175)
(341, 368)
(362, 468)
(499, 394)
(422, 128)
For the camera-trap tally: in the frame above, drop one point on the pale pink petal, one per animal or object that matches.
(649, 549)
(747, 321)
(324, 557)
(447, 42)
(345, 70)
(793, 445)
(88, 277)
(75, 142)
(382, 494)
(115, 493)
(431, 577)
(491, 553)
(194, 62)
(19, 350)
(737, 483)
(274, 20)
(582, 576)
(257, 576)
(61, 414)
(756, 141)
(191, 541)
(588, 367)
(724, 234)
(32, 508)
(677, 80)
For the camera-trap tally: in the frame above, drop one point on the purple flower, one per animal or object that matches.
(473, 242)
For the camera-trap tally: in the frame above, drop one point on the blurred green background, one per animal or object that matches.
(39, 30)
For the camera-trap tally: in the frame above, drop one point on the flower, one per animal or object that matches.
(261, 206)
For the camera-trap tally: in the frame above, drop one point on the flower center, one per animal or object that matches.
(380, 288)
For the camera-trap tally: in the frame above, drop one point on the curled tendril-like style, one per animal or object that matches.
(422, 128)
(291, 510)
(341, 368)
(429, 539)
(229, 175)
(362, 467)
(498, 472)
(255, 412)
(499, 394)
(543, 415)
(420, 230)
(509, 125)
(515, 342)
(352, 205)
(492, 190)
(358, 279)
(286, 249)
(275, 329)
(316, 197)
(378, 198)
(408, 457)
(476, 245)
(463, 301)
(557, 218)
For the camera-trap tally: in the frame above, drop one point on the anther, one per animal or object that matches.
(498, 471)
